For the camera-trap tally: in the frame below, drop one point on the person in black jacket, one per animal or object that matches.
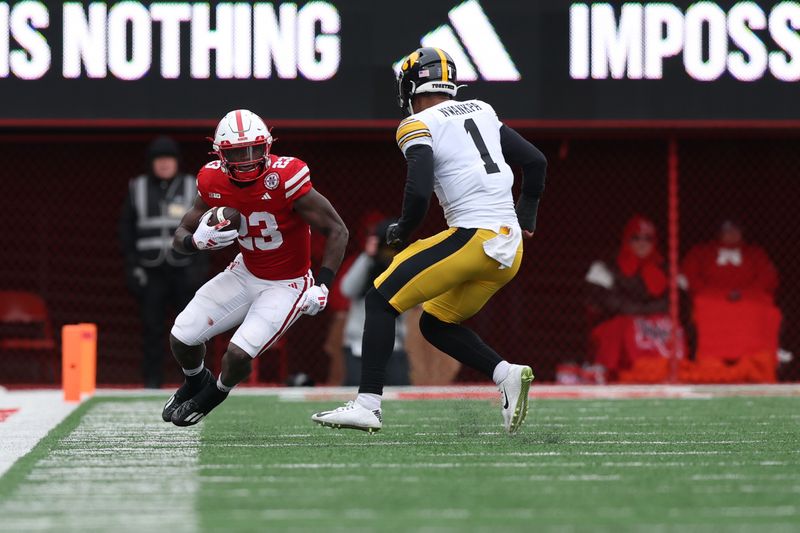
(157, 275)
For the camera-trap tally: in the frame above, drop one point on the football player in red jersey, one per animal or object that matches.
(269, 284)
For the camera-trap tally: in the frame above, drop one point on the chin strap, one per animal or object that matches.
(260, 172)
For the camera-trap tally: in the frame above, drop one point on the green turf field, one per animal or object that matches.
(259, 464)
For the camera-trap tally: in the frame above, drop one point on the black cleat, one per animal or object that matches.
(194, 410)
(185, 392)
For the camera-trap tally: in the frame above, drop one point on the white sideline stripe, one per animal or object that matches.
(39, 412)
(121, 469)
(489, 392)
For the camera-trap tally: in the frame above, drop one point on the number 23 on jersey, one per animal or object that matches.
(266, 224)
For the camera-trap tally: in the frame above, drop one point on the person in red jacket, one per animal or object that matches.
(627, 304)
(730, 267)
(732, 284)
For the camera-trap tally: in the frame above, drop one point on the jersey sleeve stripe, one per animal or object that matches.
(297, 177)
(414, 124)
(410, 128)
(412, 136)
(297, 187)
(294, 179)
(410, 132)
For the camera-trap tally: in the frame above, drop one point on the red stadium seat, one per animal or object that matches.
(25, 327)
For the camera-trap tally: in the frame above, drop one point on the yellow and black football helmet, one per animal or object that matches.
(426, 70)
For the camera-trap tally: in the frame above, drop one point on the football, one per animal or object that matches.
(221, 214)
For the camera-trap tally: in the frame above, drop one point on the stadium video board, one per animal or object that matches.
(330, 62)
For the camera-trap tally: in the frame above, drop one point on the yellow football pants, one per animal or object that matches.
(449, 272)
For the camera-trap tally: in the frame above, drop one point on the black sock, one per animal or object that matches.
(197, 381)
(210, 397)
(460, 343)
(378, 342)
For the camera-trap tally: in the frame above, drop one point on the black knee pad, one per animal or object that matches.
(374, 302)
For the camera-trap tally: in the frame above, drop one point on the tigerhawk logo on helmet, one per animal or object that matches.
(427, 70)
(242, 142)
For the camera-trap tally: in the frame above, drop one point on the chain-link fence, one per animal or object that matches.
(63, 192)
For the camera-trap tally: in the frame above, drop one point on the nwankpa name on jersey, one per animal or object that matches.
(747, 41)
(263, 40)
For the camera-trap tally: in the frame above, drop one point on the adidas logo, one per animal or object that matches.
(266, 196)
(475, 31)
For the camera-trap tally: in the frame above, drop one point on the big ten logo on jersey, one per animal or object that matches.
(282, 162)
(259, 231)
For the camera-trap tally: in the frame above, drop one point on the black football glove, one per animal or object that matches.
(393, 236)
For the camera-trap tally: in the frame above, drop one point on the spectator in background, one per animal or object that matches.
(156, 275)
(628, 305)
(375, 258)
(337, 310)
(730, 268)
(732, 285)
(338, 303)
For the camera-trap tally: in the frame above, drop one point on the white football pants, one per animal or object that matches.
(263, 309)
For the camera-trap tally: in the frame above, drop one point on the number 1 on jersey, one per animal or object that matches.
(475, 133)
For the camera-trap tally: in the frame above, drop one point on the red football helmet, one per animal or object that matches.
(242, 141)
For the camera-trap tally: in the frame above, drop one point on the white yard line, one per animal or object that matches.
(27, 416)
(121, 469)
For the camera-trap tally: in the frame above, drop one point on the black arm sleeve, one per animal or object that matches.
(518, 151)
(419, 187)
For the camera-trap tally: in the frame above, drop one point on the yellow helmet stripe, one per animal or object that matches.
(444, 64)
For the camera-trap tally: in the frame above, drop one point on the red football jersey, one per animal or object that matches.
(274, 240)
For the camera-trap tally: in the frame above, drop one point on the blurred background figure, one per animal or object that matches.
(370, 263)
(429, 366)
(339, 304)
(732, 284)
(730, 268)
(156, 275)
(333, 345)
(627, 306)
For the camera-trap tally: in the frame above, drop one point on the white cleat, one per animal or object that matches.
(514, 396)
(351, 416)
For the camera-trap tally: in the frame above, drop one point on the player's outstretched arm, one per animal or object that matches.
(518, 151)
(318, 212)
(182, 241)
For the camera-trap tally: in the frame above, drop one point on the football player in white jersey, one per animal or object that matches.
(461, 151)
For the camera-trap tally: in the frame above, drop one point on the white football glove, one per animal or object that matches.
(207, 237)
(314, 300)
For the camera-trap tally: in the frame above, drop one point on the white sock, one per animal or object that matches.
(370, 401)
(194, 371)
(221, 386)
(501, 372)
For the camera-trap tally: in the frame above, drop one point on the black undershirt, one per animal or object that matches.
(518, 151)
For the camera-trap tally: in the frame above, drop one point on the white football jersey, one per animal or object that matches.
(471, 178)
